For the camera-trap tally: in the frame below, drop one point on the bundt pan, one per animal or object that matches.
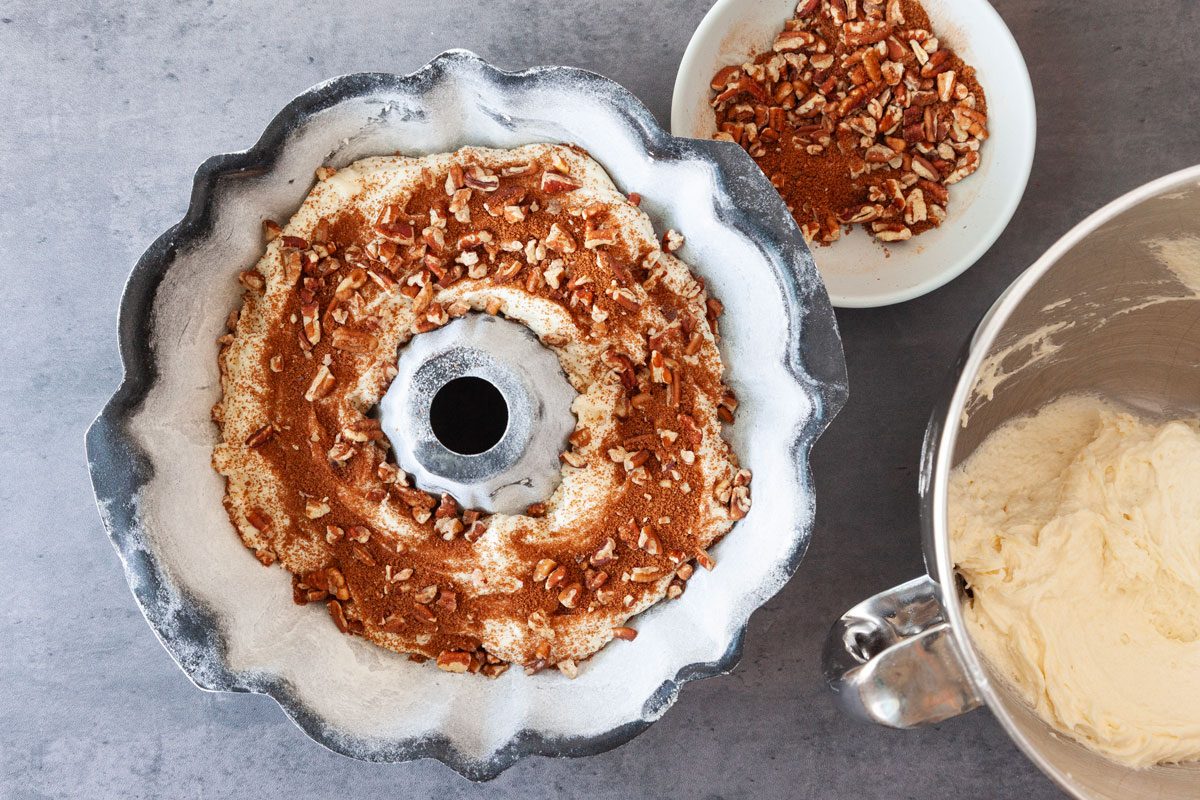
(231, 624)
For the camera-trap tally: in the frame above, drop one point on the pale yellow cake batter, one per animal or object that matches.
(1078, 532)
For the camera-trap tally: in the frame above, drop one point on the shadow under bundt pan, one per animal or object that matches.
(780, 345)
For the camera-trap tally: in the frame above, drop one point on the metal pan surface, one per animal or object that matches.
(148, 449)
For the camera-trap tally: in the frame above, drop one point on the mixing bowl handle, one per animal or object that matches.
(893, 660)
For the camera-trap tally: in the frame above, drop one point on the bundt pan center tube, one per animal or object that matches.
(515, 401)
(231, 624)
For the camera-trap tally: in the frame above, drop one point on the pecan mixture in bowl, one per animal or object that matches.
(858, 115)
(389, 248)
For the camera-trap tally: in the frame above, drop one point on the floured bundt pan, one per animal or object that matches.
(232, 626)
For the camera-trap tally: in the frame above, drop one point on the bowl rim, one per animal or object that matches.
(1021, 89)
(118, 468)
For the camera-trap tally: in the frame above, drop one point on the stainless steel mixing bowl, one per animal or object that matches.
(1113, 308)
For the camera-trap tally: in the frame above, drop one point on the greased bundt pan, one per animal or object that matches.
(231, 624)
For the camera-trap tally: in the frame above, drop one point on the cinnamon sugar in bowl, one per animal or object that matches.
(945, 196)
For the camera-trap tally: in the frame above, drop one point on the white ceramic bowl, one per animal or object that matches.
(858, 271)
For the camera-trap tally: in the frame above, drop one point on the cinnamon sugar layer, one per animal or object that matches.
(388, 248)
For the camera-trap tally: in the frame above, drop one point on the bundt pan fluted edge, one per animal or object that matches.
(230, 624)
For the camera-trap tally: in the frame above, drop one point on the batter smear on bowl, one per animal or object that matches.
(390, 248)
(858, 115)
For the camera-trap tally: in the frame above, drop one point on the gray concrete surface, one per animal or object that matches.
(108, 107)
